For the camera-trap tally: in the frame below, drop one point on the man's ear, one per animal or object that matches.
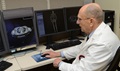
(91, 22)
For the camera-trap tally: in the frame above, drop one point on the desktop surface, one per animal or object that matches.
(11, 59)
(24, 61)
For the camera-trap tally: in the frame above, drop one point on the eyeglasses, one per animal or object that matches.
(79, 19)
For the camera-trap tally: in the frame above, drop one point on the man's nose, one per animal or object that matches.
(77, 22)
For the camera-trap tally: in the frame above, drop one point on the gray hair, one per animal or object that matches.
(94, 11)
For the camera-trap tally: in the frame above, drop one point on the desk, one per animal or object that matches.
(24, 61)
(15, 66)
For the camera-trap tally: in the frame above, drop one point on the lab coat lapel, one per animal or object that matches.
(94, 36)
(84, 47)
(87, 43)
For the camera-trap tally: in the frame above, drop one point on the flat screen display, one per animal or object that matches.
(50, 22)
(71, 18)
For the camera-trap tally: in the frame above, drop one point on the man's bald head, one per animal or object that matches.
(93, 10)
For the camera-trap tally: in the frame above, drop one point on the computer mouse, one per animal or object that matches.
(43, 55)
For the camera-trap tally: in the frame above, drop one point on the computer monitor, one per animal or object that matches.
(71, 18)
(50, 22)
(19, 28)
(3, 47)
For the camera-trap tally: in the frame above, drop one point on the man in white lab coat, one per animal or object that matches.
(93, 54)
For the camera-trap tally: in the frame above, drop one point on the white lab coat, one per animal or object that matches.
(99, 50)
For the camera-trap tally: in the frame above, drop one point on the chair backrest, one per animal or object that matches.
(115, 62)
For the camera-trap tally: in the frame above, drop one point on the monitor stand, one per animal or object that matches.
(48, 41)
(72, 36)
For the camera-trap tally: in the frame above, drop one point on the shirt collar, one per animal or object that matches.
(90, 34)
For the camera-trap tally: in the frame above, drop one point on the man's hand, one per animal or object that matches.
(52, 54)
(56, 62)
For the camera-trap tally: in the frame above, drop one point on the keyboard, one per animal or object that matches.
(56, 46)
(4, 65)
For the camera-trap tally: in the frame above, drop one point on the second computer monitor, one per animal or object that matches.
(71, 18)
(50, 22)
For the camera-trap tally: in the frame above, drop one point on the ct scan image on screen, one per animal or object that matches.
(20, 32)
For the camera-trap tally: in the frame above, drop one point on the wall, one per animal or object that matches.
(87, 1)
(112, 5)
(65, 3)
(0, 5)
(37, 4)
(41, 4)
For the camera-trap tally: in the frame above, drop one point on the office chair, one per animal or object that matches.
(114, 65)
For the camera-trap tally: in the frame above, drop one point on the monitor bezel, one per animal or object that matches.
(3, 36)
